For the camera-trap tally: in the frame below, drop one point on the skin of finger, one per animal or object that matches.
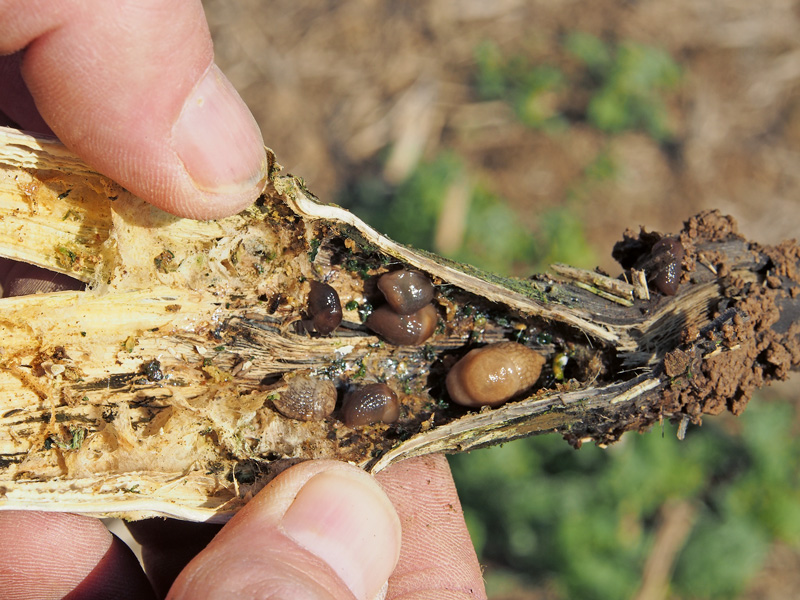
(60, 555)
(16, 101)
(117, 575)
(252, 557)
(437, 559)
(168, 545)
(6, 264)
(130, 65)
(22, 279)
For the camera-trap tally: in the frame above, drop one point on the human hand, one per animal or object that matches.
(132, 88)
(322, 530)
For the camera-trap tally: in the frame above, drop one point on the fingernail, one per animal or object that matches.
(346, 519)
(218, 139)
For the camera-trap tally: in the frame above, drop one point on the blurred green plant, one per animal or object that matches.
(632, 86)
(494, 237)
(626, 84)
(586, 519)
(410, 211)
(563, 239)
(532, 90)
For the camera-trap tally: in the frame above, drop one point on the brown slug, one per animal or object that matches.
(306, 398)
(324, 308)
(403, 330)
(662, 265)
(666, 257)
(406, 291)
(493, 374)
(372, 403)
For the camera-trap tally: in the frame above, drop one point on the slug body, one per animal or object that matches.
(663, 265)
(403, 330)
(491, 375)
(324, 308)
(406, 291)
(370, 404)
(307, 399)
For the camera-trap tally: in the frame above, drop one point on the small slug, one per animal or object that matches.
(403, 330)
(307, 398)
(406, 291)
(324, 307)
(370, 404)
(491, 375)
(665, 259)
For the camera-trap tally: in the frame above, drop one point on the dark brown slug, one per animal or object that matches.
(663, 265)
(403, 330)
(493, 374)
(667, 255)
(406, 291)
(372, 403)
(324, 308)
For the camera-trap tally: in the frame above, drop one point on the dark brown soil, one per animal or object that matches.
(754, 334)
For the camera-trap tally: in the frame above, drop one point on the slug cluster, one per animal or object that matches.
(324, 308)
(408, 318)
(486, 376)
(493, 374)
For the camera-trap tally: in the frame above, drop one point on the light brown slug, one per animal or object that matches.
(491, 375)
(307, 398)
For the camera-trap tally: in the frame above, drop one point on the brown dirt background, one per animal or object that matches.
(335, 84)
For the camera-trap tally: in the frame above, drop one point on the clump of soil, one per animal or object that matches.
(754, 335)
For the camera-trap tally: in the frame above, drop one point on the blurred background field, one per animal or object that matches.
(514, 134)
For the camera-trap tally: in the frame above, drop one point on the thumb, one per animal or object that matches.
(132, 88)
(320, 530)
